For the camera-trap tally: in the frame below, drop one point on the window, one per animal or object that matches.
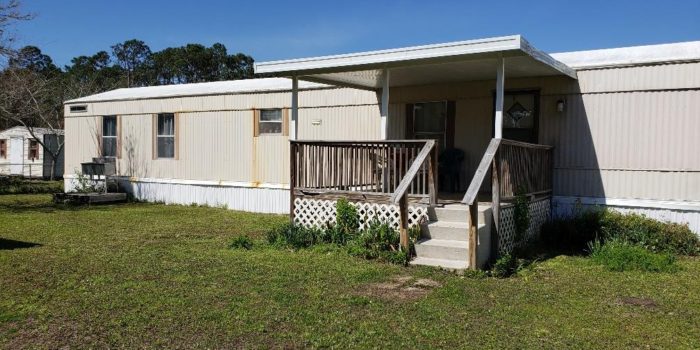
(33, 150)
(270, 122)
(165, 136)
(109, 136)
(3, 149)
(78, 109)
(429, 122)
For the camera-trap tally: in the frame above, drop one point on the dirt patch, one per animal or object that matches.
(402, 288)
(634, 301)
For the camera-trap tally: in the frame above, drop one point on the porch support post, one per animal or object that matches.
(385, 104)
(295, 109)
(498, 123)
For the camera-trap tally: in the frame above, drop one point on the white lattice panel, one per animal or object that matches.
(539, 214)
(320, 213)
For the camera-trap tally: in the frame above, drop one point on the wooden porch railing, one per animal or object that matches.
(517, 168)
(392, 172)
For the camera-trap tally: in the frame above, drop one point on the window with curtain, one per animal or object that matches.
(109, 136)
(165, 142)
(33, 150)
(270, 122)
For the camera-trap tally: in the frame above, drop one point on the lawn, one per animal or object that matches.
(149, 275)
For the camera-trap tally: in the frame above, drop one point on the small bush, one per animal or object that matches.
(521, 215)
(505, 266)
(83, 184)
(242, 242)
(294, 236)
(617, 255)
(347, 219)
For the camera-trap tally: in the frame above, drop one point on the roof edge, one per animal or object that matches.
(679, 52)
(502, 43)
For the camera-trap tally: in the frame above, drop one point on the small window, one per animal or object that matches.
(3, 149)
(270, 122)
(109, 136)
(78, 109)
(165, 142)
(33, 150)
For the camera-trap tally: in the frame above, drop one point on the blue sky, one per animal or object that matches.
(270, 30)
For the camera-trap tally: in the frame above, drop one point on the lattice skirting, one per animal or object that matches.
(539, 213)
(319, 213)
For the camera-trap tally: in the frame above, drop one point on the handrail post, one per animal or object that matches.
(432, 189)
(433, 176)
(292, 178)
(495, 203)
(403, 223)
(473, 231)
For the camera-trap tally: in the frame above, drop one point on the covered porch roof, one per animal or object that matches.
(449, 62)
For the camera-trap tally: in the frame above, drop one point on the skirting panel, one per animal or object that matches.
(258, 200)
(318, 213)
(681, 212)
(539, 212)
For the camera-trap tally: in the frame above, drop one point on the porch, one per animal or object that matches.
(396, 182)
(400, 181)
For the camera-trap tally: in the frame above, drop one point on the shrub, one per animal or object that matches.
(347, 219)
(506, 266)
(379, 241)
(241, 242)
(572, 234)
(18, 185)
(618, 255)
(294, 236)
(654, 235)
(83, 184)
(575, 233)
(376, 241)
(521, 214)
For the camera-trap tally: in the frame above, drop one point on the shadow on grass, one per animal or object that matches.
(11, 244)
(48, 207)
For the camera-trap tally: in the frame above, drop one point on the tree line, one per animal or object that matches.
(133, 64)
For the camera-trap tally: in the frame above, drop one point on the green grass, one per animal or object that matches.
(145, 275)
(619, 256)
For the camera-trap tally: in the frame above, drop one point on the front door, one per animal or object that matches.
(521, 115)
(16, 152)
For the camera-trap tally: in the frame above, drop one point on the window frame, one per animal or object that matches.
(3, 148)
(33, 148)
(269, 122)
(157, 136)
(116, 135)
(284, 122)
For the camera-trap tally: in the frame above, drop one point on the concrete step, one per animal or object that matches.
(456, 213)
(455, 231)
(443, 263)
(442, 249)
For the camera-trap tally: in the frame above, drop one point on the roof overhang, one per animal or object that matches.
(418, 65)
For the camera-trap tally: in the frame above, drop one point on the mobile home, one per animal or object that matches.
(445, 135)
(22, 155)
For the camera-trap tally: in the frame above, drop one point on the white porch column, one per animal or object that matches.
(385, 104)
(295, 109)
(500, 79)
